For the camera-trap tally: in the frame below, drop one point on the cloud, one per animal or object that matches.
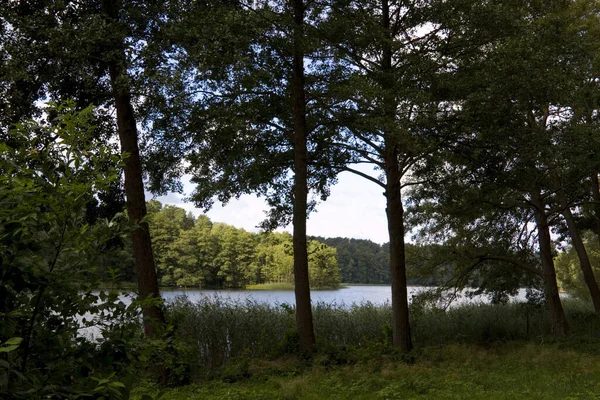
(355, 209)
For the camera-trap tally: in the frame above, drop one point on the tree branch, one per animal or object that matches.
(362, 174)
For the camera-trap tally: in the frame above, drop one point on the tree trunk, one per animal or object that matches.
(596, 197)
(134, 186)
(584, 260)
(401, 336)
(304, 321)
(560, 326)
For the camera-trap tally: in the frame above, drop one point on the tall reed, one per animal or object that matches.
(216, 330)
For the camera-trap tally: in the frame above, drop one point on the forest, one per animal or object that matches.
(195, 252)
(480, 121)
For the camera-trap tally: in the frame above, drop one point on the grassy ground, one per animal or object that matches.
(271, 286)
(286, 286)
(568, 369)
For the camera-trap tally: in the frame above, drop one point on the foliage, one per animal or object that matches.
(195, 252)
(517, 143)
(366, 262)
(50, 308)
(361, 261)
(516, 371)
(235, 95)
(480, 343)
(217, 332)
(569, 273)
(490, 109)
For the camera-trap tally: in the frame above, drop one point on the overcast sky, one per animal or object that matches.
(355, 209)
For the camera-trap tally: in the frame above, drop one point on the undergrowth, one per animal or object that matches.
(219, 338)
(516, 370)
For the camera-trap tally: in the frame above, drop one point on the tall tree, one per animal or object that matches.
(254, 125)
(514, 115)
(304, 321)
(80, 53)
(116, 61)
(388, 52)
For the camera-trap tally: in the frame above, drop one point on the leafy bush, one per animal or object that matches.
(49, 172)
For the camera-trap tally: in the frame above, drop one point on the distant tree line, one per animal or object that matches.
(195, 252)
(363, 261)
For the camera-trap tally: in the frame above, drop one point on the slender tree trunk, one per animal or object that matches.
(584, 260)
(304, 321)
(596, 197)
(560, 326)
(401, 337)
(134, 186)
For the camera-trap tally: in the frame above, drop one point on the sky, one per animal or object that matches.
(355, 209)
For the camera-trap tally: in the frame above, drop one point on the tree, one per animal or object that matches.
(195, 251)
(253, 122)
(80, 54)
(360, 261)
(514, 116)
(568, 271)
(235, 256)
(388, 53)
(275, 258)
(166, 224)
(323, 268)
(134, 185)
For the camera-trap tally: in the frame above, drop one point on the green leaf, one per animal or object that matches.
(8, 349)
(14, 341)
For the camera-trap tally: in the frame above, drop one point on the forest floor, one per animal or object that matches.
(537, 369)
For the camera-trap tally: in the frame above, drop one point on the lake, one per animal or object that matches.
(375, 294)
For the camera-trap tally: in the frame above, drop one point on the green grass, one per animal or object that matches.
(215, 331)
(287, 286)
(271, 286)
(249, 350)
(517, 370)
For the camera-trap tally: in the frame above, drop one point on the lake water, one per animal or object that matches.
(378, 295)
(346, 297)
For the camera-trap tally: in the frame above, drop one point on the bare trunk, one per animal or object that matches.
(304, 321)
(584, 260)
(560, 326)
(134, 186)
(401, 336)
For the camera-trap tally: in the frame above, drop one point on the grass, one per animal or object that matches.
(249, 350)
(516, 370)
(271, 286)
(287, 286)
(216, 330)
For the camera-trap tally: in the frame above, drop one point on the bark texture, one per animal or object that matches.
(304, 320)
(560, 326)
(582, 255)
(134, 185)
(401, 336)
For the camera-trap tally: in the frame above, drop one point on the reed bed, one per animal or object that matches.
(215, 331)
